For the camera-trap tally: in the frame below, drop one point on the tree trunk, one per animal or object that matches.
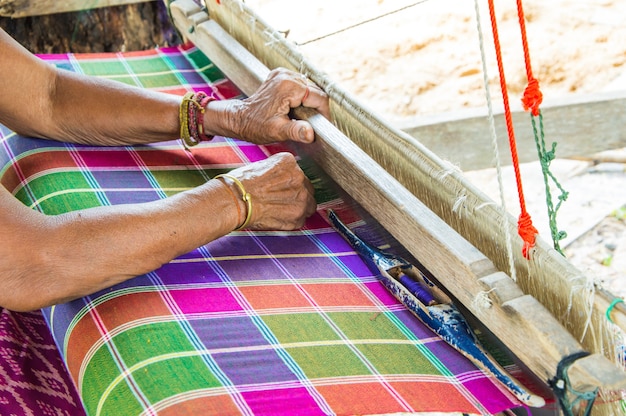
(112, 29)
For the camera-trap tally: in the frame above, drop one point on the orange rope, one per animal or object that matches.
(532, 94)
(525, 227)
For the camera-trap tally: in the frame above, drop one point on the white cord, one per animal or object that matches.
(494, 142)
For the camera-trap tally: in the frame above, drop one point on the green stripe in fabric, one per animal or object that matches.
(302, 327)
(398, 359)
(171, 67)
(423, 349)
(204, 66)
(103, 67)
(101, 370)
(358, 326)
(365, 326)
(132, 73)
(156, 81)
(183, 365)
(188, 179)
(148, 65)
(150, 340)
(328, 361)
(61, 201)
(95, 192)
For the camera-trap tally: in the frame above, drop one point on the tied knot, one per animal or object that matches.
(532, 97)
(527, 231)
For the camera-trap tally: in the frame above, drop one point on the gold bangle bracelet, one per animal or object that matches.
(183, 116)
(247, 198)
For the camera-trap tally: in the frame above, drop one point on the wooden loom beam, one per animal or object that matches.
(513, 316)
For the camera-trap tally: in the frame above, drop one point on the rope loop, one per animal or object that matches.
(527, 231)
(532, 98)
(611, 307)
(547, 156)
(562, 388)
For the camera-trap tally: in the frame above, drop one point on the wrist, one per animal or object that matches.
(222, 118)
(191, 116)
(241, 199)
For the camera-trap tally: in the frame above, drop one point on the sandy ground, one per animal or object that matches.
(426, 59)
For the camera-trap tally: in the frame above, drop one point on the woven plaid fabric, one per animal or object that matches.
(263, 323)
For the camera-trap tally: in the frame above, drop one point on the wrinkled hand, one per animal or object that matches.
(263, 117)
(282, 196)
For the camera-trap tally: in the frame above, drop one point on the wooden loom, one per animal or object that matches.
(412, 193)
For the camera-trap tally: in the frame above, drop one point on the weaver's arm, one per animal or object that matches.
(52, 259)
(40, 100)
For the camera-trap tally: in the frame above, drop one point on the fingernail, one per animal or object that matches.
(302, 134)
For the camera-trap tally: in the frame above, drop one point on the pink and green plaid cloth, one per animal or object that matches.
(255, 323)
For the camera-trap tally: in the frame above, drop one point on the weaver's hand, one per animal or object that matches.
(263, 117)
(281, 195)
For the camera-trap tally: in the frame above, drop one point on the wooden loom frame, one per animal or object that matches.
(370, 161)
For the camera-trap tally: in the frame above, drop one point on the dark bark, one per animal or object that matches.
(112, 29)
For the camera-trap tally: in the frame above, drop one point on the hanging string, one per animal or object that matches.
(531, 101)
(525, 227)
(494, 142)
(361, 23)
